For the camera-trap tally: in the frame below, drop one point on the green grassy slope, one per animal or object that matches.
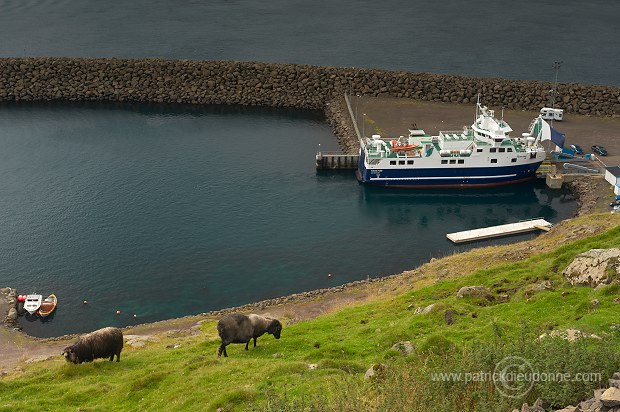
(276, 375)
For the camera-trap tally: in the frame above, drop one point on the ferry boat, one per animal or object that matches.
(481, 155)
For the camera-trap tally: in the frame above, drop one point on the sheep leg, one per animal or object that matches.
(118, 357)
(254, 342)
(246, 344)
(221, 350)
(111, 357)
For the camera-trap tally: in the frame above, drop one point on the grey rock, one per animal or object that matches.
(376, 371)
(405, 347)
(591, 268)
(474, 291)
(589, 405)
(533, 408)
(597, 394)
(569, 408)
(546, 285)
(570, 335)
(539, 403)
(426, 309)
(611, 397)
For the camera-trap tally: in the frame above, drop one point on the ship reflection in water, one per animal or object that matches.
(429, 212)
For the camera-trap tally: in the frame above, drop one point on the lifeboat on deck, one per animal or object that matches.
(403, 147)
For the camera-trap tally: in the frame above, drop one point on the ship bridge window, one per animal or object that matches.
(452, 161)
(461, 161)
(479, 150)
(392, 162)
(493, 150)
(513, 160)
(510, 149)
(401, 162)
(493, 160)
(409, 162)
(444, 162)
(502, 149)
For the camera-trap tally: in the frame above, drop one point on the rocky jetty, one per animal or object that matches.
(271, 84)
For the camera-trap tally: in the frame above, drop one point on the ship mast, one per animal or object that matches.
(554, 92)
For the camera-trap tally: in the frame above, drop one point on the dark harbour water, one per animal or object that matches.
(163, 211)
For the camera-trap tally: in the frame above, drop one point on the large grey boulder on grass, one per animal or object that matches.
(594, 267)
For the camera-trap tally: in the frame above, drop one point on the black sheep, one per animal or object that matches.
(237, 328)
(102, 343)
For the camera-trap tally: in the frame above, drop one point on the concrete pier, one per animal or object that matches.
(554, 181)
(336, 161)
(501, 230)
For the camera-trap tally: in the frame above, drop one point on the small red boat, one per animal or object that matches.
(48, 305)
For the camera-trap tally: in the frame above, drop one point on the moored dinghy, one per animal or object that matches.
(32, 303)
(48, 305)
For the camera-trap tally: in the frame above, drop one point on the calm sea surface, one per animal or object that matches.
(510, 39)
(162, 211)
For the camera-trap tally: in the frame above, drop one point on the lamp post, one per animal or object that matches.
(554, 91)
(363, 124)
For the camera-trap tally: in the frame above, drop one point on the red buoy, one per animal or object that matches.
(85, 302)
(118, 312)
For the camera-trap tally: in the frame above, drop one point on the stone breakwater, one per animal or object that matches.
(276, 85)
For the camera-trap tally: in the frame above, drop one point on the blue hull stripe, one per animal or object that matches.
(372, 179)
(448, 176)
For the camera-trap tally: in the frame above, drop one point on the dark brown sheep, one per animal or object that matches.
(237, 328)
(102, 343)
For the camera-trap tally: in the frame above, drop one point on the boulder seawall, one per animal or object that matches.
(277, 85)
